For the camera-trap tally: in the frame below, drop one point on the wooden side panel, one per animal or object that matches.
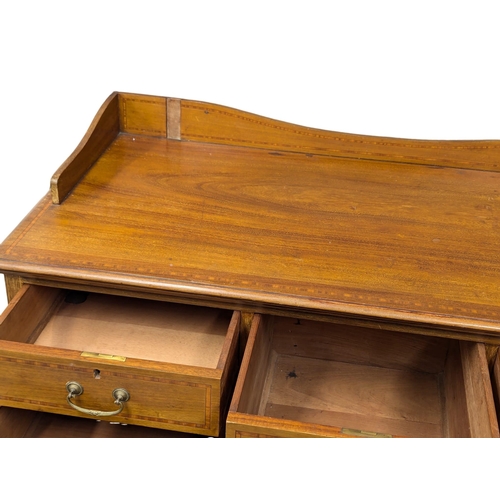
(204, 122)
(455, 404)
(229, 364)
(253, 371)
(143, 115)
(27, 313)
(245, 326)
(480, 404)
(103, 129)
(13, 284)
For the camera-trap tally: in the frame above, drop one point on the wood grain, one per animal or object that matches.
(144, 115)
(455, 397)
(242, 425)
(174, 118)
(204, 204)
(34, 377)
(252, 374)
(349, 344)
(27, 314)
(480, 402)
(229, 364)
(290, 232)
(205, 122)
(356, 396)
(297, 375)
(13, 284)
(99, 136)
(122, 326)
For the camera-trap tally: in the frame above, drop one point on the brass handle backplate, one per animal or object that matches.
(120, 397)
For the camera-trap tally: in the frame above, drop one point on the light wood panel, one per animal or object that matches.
(124, 326)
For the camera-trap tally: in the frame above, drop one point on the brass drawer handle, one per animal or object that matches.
(120, 396)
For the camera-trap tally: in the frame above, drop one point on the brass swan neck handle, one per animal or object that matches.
(120, 396)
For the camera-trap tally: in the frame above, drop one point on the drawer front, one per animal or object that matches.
(169, 401)
(240, 425)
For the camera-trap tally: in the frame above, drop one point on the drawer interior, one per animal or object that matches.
(364, 379)
(118, 326)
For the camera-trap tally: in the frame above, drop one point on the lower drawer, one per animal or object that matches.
(305, 378)
(16, 423)
(134, 361)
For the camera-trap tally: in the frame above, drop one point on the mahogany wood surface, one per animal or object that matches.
(305, 221)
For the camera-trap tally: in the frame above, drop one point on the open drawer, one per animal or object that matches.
(303, 378)
(123, 359)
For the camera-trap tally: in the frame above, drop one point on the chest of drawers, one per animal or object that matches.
(190, 257)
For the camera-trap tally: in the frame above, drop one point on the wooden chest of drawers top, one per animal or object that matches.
(205, 203)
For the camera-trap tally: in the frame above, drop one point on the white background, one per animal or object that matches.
(426, 69)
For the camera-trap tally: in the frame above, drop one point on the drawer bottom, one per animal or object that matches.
(353, 396)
